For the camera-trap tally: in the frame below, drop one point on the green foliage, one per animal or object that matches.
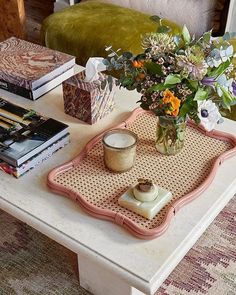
(227, 97)
(216, 72)
(207, 37)
(153, 69)
(163, 29)
(161, 87)
(127, 55)
(201, 94)
(189, 107)
(186, 35)
(193, 85)
(178, 75)
(172, 79)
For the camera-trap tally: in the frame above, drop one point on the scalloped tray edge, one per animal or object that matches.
(120, 219)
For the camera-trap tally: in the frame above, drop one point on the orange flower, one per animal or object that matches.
(140, 77)
(175, 113)
(167, 94)
(173, 101)
(138, 63)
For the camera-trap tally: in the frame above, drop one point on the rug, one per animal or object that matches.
(32, 264)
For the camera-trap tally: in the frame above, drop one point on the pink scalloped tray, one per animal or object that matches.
(187, 174)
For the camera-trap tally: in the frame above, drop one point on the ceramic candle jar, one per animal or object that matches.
(119, 147)
(145, 190)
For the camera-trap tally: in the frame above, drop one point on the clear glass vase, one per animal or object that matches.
(170, 135)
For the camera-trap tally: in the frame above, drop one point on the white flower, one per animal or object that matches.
(209, 114)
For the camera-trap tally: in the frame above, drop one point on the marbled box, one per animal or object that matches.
(88, 101)
(145, 209)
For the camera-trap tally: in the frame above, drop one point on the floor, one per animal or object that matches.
(36, 11)
(32, 264)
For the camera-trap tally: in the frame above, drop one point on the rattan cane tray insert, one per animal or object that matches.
(86, 180)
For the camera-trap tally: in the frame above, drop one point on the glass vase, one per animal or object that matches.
(170, 135)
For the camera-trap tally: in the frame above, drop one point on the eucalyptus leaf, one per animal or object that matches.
(107, 48)
(118, 66)
(112, 54)
(177, 40)
(127, 54)
(106, 62)
(113, 61)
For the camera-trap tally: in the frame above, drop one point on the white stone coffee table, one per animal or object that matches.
(111, 260)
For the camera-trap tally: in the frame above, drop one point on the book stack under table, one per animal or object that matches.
(27, 138)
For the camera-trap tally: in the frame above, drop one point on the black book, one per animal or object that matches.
(25, 133)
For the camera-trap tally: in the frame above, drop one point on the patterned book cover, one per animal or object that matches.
(35, 160)
(24, 133)
(89, 101)
(24, 64)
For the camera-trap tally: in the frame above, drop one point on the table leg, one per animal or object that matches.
(100, 281)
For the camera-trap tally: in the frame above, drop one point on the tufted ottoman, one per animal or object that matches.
(84, 30)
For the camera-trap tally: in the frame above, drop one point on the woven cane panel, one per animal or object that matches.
(180, 174)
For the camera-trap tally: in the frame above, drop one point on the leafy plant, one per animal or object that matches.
(177, 74)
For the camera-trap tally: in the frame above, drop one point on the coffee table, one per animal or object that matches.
(111, 260)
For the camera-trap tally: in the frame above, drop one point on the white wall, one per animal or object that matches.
(231, 21)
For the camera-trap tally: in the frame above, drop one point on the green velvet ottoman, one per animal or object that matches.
(84, 29)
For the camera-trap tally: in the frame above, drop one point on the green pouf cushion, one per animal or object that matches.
(84, 30)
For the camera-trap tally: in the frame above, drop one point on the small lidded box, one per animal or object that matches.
(89, 101)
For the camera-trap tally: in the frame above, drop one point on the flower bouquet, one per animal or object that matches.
(179, 77)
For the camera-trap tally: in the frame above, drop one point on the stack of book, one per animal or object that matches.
(31, 70)
(27, 138)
